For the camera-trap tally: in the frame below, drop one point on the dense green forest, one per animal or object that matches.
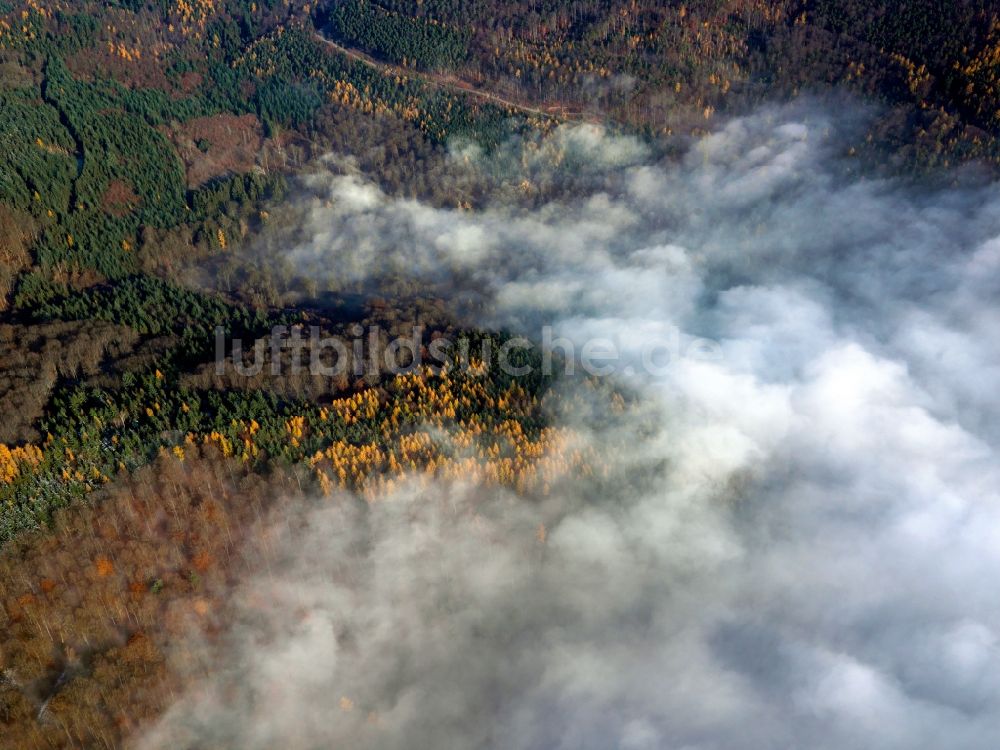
(672, 67)
(421, 42)
(96, 120)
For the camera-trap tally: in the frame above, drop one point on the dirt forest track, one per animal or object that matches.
(458, 85)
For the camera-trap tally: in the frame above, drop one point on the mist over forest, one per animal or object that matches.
(499, 375)
(765, 559)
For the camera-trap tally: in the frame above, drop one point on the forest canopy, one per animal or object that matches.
(149, 150)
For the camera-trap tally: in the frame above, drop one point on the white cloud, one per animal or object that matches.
(802, 555)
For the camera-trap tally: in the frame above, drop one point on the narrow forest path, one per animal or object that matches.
(452, 83)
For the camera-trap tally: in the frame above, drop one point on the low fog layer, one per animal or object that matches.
(802, 554)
